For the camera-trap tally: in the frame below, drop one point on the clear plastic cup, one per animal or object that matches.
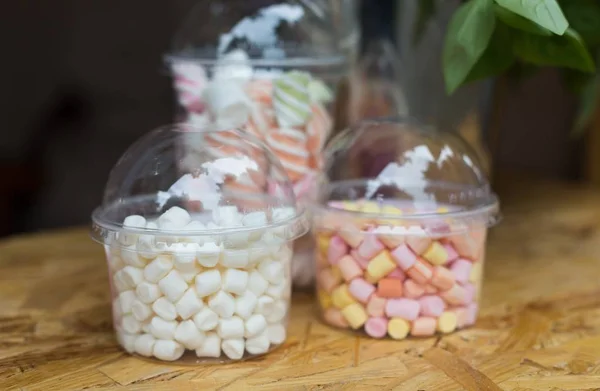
(272, 68)
(199, 259)
(401, 224)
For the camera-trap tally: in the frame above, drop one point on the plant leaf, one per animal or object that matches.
(424, 14)
(520, 23)
(584, 17)
(496, 58)
(546, 13)
(567, 51)
(468, 35)
(588, 100)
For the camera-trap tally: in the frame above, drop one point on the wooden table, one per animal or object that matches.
(539, 328)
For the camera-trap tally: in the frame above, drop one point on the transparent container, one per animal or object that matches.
(400, 221)
(271, 68)
(199, 257)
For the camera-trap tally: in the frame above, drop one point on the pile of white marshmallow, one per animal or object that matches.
(212, 294)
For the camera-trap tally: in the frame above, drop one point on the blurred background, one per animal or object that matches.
(86, 78)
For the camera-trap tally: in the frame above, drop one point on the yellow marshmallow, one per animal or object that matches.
(370, 279)
(391, 210)
(447, 322)
(436, 254)
(475, 274)
(324, 299)
(398, 328)
(341, 297)
(351, 206)
(380, 266)
(336, 273)
(443, 209)
(323, 244)
(355, 314)
(370, 207)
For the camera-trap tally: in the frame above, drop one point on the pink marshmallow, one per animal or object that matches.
(402, 308)
(376, 327)
(456, 295)
(404, 257)
(370, 247)
(398, 274)
(418, 243)
(361, 290)
(337, 249)
(450, 252)
(461, 268)
(432, 306)
(472, 311)
(362, 262)
(469, 292)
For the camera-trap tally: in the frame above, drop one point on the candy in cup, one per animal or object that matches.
(400, 225)
(199, 260)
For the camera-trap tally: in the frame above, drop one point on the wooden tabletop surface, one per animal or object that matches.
(539, 327)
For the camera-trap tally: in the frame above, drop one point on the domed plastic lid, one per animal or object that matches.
(270, 32)
(229, 184)
(399, 169)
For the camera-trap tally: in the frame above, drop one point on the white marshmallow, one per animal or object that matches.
(276, 333)
(283, 254)
(280, 290)
(208, 283)
(237, 239)
(194, 225)
(146, 244)
(257, 283)
(126, 340)
(272, 271)
(146, 327)
(185, 256)
(168, 350)
(174, 219)
(165, 309)
(223, 304)
(258, 345)
(134, 221)
(133, 276)
(255, 219)
(173, 286)
(257, 253)
(126, 300)
(120, 282)
(188, 334)
(140, 310)
(211, 346)
(227, 216)
(130, 324)
(245, 304)
(130, 257)
(233, 348)
(278, 311)
(144, 345)
(147, 292)
(206, 319)
(254, 325)
(189, 304)
(283, 213)
(115, 263)
(231, 328)
(189, 277)
(264, 305)
(235, 281)
(163, 329)
(235, 258)
(116, 310)
(208, 254)
(158, 268)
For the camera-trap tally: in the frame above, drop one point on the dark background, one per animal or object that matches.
(82, 80)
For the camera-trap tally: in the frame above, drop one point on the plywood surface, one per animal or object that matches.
(539, 328)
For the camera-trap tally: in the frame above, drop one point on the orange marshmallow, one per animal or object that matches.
(389, 288)
(349, 268)
(421, 272)
(443, 279)
(376, 306)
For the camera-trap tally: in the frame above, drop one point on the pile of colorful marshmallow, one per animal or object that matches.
(393, 277)
(221, 291)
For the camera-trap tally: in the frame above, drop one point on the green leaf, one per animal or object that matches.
(588, 100)
(584, 17)
(567, 51)
(575, 80)
(468, 35)
(546, 13)
(425, 12)
(520, 23)
(496, 58)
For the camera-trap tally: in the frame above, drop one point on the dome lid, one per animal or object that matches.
(228, 172)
